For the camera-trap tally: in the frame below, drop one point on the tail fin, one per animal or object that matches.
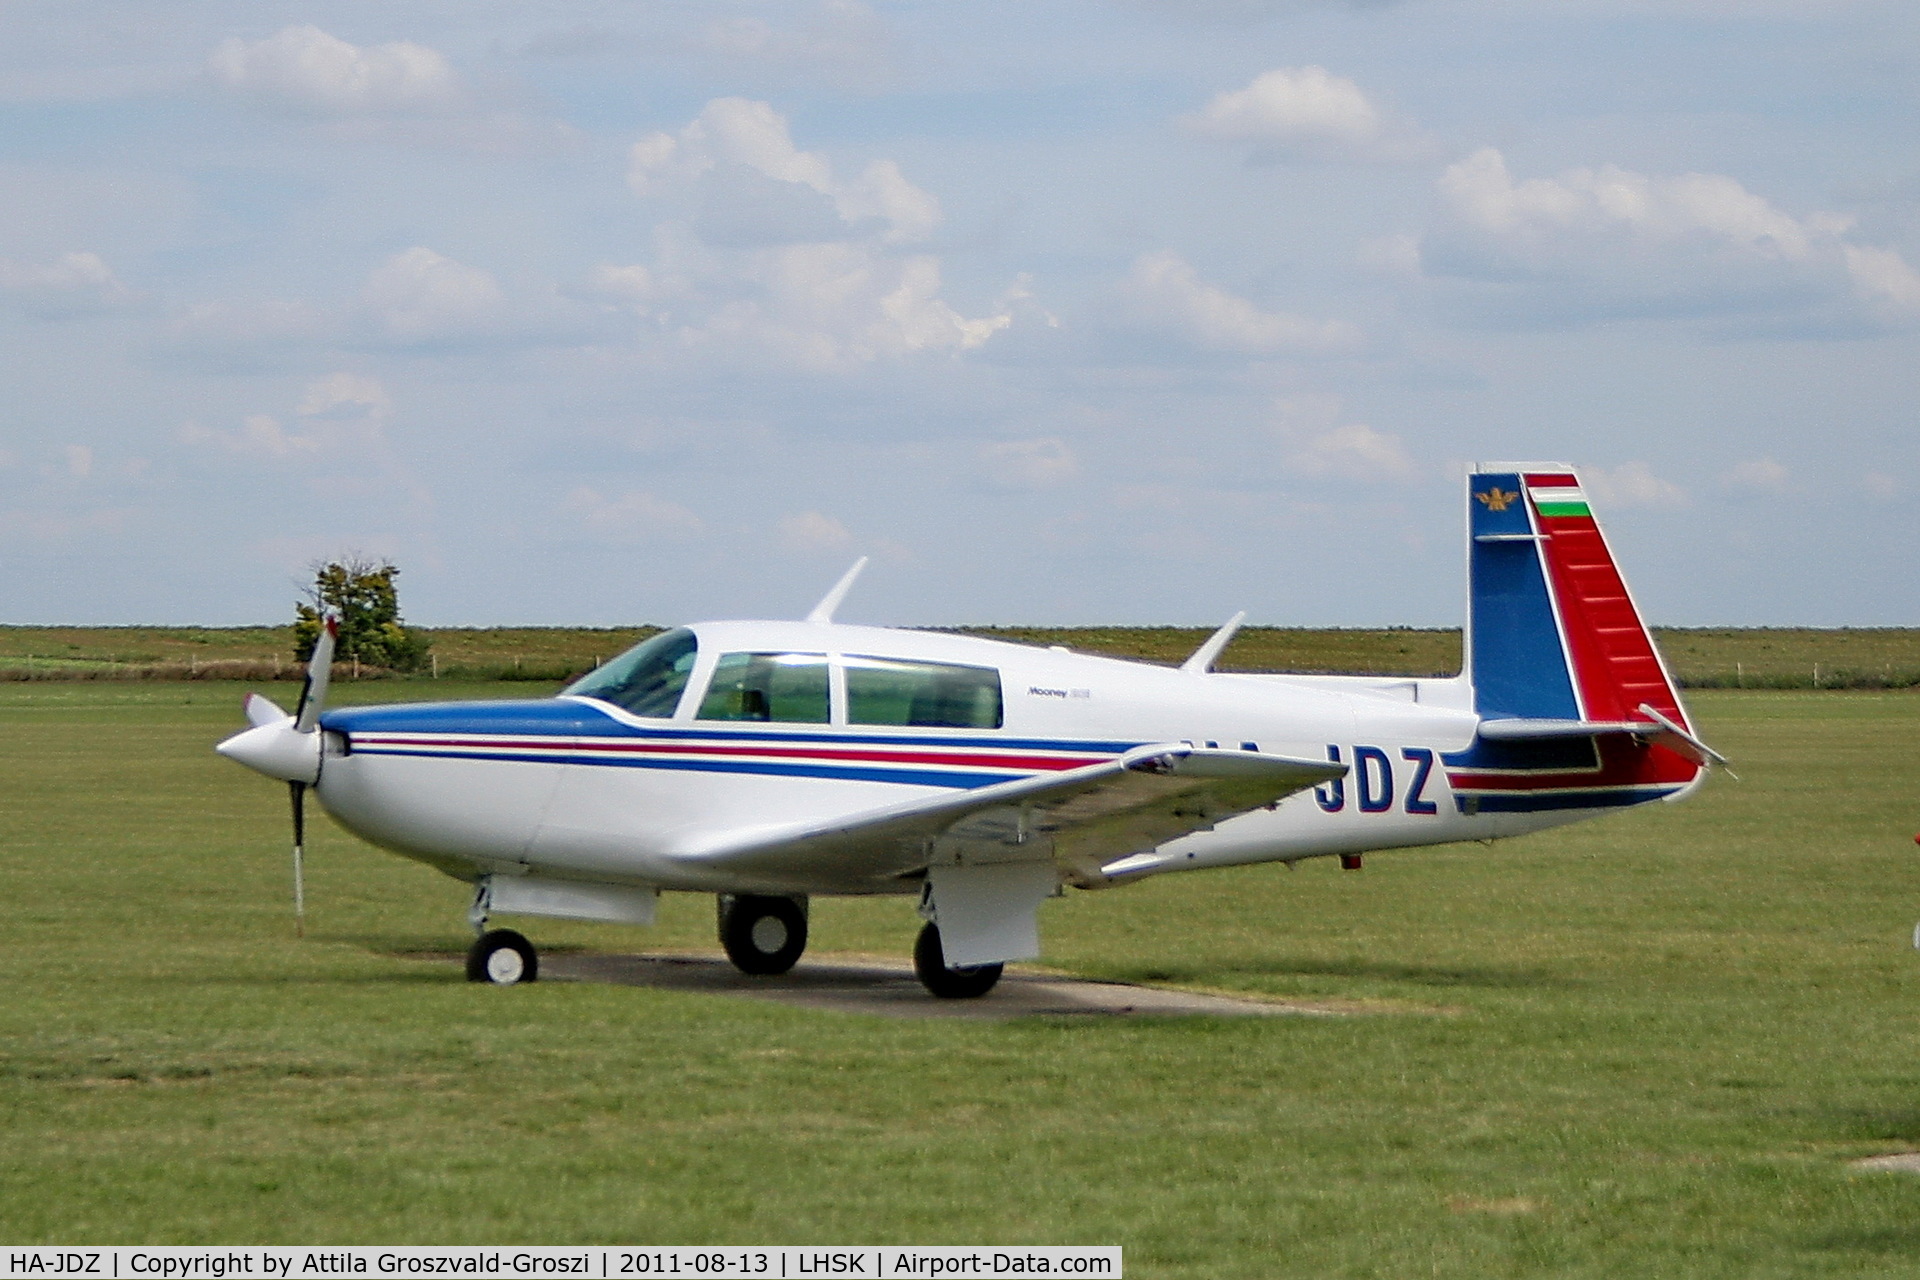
(1552, 632)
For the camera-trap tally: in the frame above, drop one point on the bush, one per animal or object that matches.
(362, 592)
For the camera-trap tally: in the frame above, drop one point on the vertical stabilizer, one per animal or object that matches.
(1553, 633)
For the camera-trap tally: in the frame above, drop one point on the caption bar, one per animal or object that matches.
(282, 1262)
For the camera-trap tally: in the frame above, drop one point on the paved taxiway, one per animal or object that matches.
(873, 986)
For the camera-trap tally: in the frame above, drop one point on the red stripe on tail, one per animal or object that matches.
(1614, 662)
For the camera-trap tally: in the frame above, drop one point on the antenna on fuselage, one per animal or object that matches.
(1202, 660)
(823, 612)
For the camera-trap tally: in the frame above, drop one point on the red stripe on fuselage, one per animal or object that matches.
(1624, 762)
(849, 755)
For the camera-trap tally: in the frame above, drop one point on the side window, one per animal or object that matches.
(647, 679)
(930, 694)
(790, 687)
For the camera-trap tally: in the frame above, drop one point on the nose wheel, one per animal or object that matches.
(503, 958)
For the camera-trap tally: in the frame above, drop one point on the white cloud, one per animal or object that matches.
(1029, 464)
(225, 324)
(56, 527)
(634, 515)
(813, 531)
(1317, 443)
(631, 284)
(1168, 293)
(1882, 276)
(421, 296)
(1353, 452)
(1482, 193)
(79, 461)
(1394, 255)
(841, 41)
(1880, 486)
(1632, 484)
(72, 283)
(308, 69)
(345, 395)
(343, 417)
(1300, 111)
(753, 136)
(1610, 241)
(767, 255)
(1761, 474)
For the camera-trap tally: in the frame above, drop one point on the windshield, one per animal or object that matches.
(647, 679)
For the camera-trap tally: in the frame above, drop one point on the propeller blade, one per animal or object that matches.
(313, 695)
(264, 711)
(297, 791)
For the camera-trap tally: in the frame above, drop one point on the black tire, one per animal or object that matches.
(969, 982)
(763, 936)
(503, 958)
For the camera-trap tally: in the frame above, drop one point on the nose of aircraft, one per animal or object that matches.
(277, 749)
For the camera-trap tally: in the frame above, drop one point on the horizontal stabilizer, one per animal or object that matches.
(1656, 729)
(1078, 818)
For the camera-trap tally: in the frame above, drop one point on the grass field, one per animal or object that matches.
(1718, 658)
(1644, 1046)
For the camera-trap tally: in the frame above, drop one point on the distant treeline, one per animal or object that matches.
(1702, 657)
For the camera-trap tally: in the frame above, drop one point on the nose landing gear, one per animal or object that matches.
(502, 957)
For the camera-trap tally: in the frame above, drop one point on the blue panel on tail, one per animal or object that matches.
(1519, 668)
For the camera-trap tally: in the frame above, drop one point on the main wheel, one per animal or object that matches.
(502, 957)
(967, 982)
(762, 935)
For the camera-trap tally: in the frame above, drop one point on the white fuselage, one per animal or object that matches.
(573, 788)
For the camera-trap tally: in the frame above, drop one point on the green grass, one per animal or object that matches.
(1642, 1046)
(1711, 657)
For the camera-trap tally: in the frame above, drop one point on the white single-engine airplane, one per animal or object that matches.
(767, 762)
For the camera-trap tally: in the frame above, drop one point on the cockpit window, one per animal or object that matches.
(791, 687)
(933, 694)
(647, 679)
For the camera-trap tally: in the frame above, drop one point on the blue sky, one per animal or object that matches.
(1081, 312)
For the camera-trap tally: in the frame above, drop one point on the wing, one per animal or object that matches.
(1080, 819)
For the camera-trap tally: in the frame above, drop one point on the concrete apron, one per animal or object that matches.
(855, 986)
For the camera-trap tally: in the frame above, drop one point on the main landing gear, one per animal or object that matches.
(762, 935)
(964, 982)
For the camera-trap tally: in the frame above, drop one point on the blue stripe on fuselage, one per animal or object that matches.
(560, 717)
(1470, 802)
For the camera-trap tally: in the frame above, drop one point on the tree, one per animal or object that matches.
(361, 591)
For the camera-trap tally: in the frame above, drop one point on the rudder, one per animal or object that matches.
(1552, 630)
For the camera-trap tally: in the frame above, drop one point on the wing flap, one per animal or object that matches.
(1079, 818)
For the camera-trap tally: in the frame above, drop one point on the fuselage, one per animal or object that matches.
(782, 723)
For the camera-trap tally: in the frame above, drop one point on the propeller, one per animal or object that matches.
(306, 719)
(288, 747)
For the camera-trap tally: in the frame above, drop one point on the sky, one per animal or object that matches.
(1136, 311)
